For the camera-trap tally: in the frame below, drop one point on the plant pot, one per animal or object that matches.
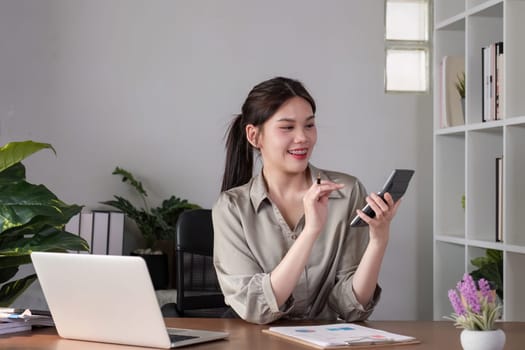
(482, 340)
(158, 269)
(167, 246)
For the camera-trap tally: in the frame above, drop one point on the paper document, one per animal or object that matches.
(339, 334)
(18, 320)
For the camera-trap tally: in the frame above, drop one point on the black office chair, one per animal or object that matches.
(198, 291)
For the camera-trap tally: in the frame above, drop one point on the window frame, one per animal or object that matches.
(396, 44)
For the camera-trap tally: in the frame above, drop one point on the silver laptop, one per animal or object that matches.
(108, 299)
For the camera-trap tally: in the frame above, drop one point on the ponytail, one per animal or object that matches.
(239, 156)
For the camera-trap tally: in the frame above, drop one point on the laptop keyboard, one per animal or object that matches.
(179, 337)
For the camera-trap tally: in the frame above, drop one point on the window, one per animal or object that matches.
(407, 45)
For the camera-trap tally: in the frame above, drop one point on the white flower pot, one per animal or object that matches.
(482, 340)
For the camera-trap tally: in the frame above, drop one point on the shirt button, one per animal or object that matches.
(294, 237)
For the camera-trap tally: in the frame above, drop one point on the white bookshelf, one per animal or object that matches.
(464, 156)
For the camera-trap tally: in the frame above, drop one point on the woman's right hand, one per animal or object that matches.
(285, 275)
(315, 203)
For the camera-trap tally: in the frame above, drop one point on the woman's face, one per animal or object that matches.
(287, 139)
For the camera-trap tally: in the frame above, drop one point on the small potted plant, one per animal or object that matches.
(476, 310)
(155, 224)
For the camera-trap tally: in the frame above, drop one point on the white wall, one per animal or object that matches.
(152, 85)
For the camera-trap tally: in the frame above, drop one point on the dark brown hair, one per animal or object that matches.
(262, 102)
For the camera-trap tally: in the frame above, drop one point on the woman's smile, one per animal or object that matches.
(299, 153)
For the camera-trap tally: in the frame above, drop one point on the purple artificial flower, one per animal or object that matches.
(456, 302)
(485, 290)
(469, 291)
(474, 308)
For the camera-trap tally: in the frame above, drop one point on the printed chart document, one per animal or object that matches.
(340, 335)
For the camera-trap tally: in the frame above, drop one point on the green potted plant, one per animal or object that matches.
(32, 218)
(155, 224)
(490, 267)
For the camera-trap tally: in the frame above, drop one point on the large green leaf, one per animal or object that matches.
(49, 239)
(21, 202)
(14, 173)
(39, 223)
(15, 152)
(10, 291)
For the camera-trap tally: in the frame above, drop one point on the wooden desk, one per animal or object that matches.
(433, 335)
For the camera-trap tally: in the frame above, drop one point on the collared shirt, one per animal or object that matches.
(251, 238)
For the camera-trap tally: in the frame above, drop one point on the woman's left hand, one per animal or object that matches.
(385, 211)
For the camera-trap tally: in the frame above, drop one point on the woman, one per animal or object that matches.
(283, 245)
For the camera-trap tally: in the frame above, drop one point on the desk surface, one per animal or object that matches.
(433, 335)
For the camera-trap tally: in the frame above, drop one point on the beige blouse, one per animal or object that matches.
(251, 238)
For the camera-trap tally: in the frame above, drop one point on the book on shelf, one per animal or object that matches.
(116, 233)
(499, 199)
(339, 335)
(499, 81)
(100, 232)
(492, 82)
(451, 110)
